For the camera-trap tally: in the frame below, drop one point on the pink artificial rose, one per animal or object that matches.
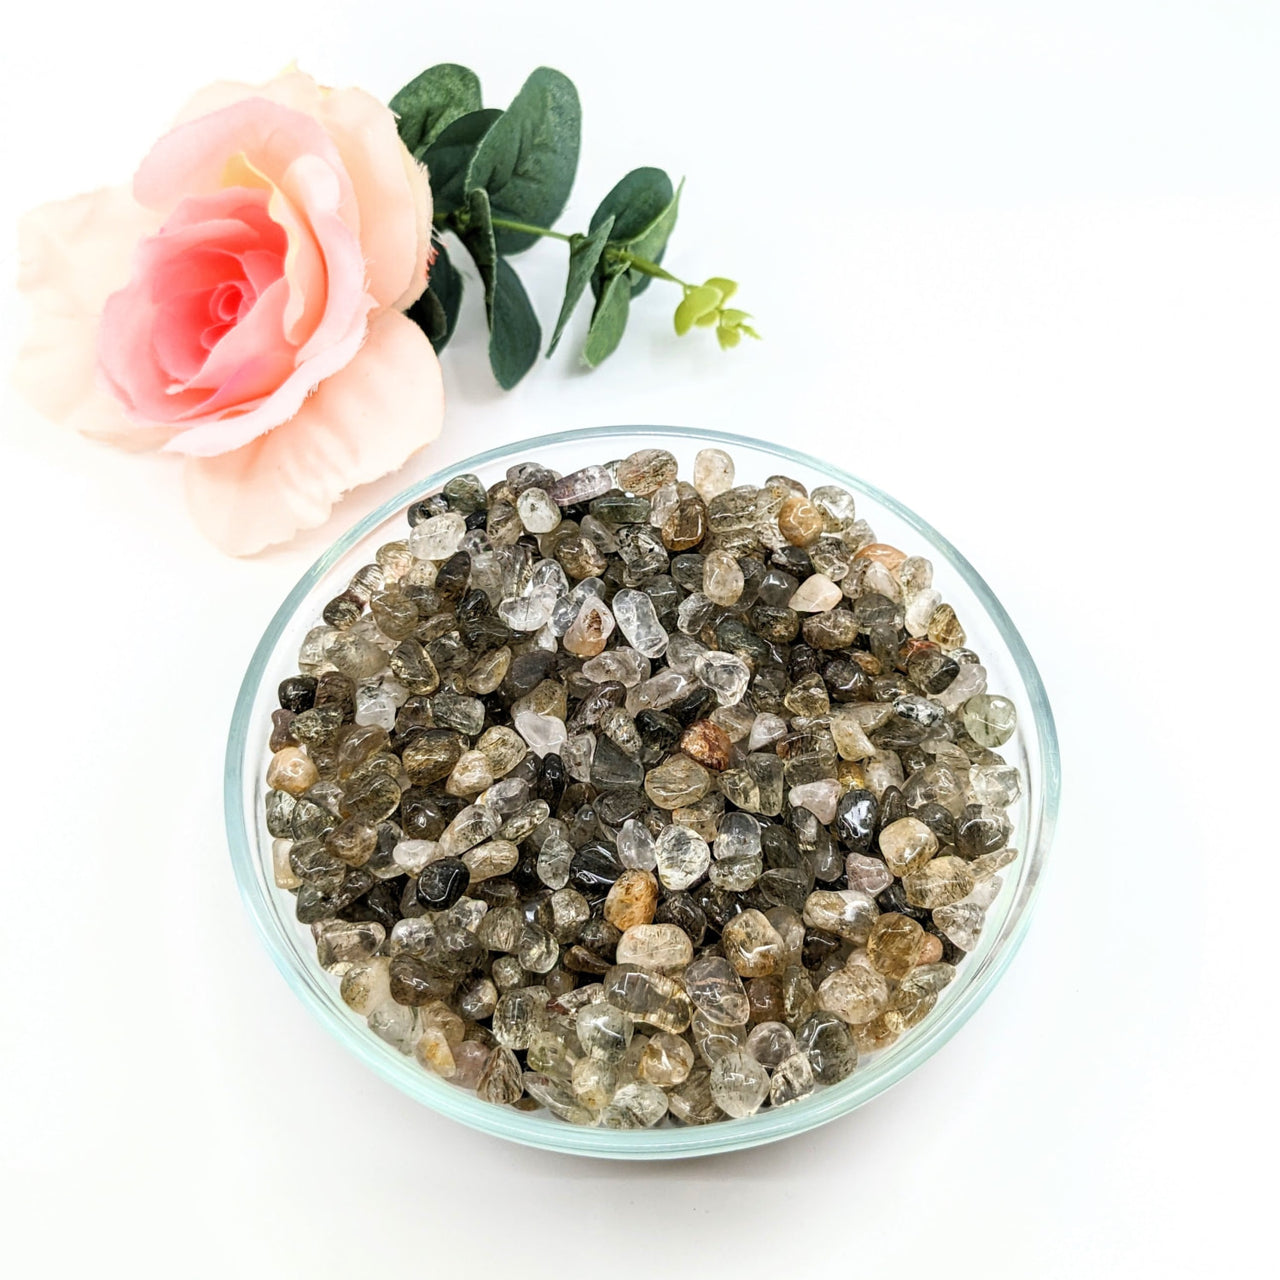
(242, 305)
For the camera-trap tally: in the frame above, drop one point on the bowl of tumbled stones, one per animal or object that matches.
(641, 792)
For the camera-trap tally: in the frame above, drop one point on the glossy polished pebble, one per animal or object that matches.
(682, 855)
(537, 512)
(649, 997)
(442, 882)
(677, 783)
(855, 993)
(636, 847)
(752, 945)
(638, 621)
(665, 1061)
(716, 990)
(792, 1079)
(907, 845)
(847, 913)
(829, 1047)
(816, 594)
(866, 874)
(939, 883)
(708, 744)
(739, 1084)
(632, 900)
(990, 719)
(725, 674)
(712, 473)
(770, 1043)
(603, 1030)
(638, 1105)
(646, 471)
(292, 770)
(664, 947)
(799, 521)
(722, 578)
(893, 946)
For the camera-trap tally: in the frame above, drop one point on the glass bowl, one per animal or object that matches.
(1034, 749)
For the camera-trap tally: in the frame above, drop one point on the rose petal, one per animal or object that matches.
(257, 334)
(73, 254)
(218, 435)
(244, 203)
(192, 159)
(361, 423)
(397, 242)
(389, 181)
(177, 339)
(420, 185)
(311, 185)
(261, 268)
(303, 261)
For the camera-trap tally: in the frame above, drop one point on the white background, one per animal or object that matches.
(1019, 264)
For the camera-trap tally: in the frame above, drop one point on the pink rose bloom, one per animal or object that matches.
(242, 306)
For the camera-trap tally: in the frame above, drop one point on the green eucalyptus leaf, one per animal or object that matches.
(434, 100)
(478, 240)
(448, 157)
(634, 203)
(608, 321)
(436, 311)
(728, 338)
(698, 303)
(515, 337)
(584, 254)
(528, 160)
(651, 243)
(429, 315)
(644, 209)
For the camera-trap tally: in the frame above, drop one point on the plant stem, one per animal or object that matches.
(632, 260)
(508, 225)
(646, 268)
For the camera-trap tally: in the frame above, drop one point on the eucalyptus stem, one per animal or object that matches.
(645, 267)
(633, 260)
(507, 224)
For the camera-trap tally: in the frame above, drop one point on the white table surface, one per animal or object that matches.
(1016, 263)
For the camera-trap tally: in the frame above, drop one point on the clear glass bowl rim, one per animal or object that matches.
(533, 1130)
